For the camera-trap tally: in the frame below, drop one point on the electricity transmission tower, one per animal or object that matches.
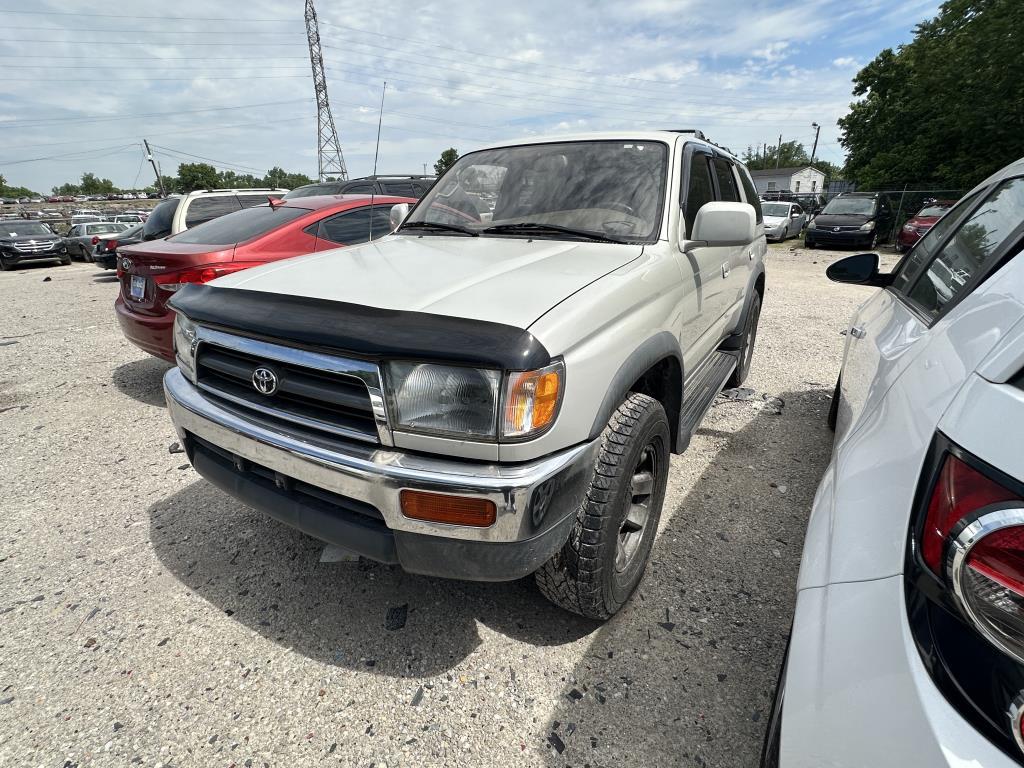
(329, 157)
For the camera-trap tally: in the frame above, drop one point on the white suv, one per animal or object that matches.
(908, 639)
(180, 212)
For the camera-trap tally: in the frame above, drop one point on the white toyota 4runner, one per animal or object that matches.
(495, 389)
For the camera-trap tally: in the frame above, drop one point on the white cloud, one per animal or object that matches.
(845, 62)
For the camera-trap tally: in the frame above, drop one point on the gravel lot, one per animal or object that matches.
(149, 619)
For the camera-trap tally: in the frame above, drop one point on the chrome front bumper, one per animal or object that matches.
(533, 499)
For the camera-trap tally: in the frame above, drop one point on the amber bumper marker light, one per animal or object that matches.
(442, 508)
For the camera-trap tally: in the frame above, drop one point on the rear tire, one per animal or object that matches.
(742, 370)
(811, 246)
(5, 266)
(604, 559)
(833, 408)
(65, 260)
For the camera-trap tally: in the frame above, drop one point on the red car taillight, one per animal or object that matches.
(973, 537)
(111, 245)
(172, 281)
(95, 239)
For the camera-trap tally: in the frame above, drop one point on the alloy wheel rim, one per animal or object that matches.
(634, 524)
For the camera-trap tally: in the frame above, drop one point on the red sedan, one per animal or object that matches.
(921, 222)
(150, 272)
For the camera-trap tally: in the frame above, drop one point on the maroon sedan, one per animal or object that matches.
(150, 272)
(921, 222)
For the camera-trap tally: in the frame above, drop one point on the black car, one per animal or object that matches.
(855, 219)
(105, 254)
(400, 186)
(24, 240)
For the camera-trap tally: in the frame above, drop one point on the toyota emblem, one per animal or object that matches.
(126, 265)
(265, 381)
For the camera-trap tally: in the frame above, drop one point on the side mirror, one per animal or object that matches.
(398, 214)
(860, 269)
(723, 224)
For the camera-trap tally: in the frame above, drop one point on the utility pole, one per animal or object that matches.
(159, 178)
(329, 157)
(424, 169)
(778, 152)
(814, 150)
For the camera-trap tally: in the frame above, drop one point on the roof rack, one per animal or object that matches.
(698, 133)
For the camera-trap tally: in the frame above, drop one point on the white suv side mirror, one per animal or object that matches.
(724, 224)
(397, 215)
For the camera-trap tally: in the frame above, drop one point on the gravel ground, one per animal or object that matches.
(149, 619)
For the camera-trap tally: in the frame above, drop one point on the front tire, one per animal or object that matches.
(833, 408)
(604, 559)
(742, 370)
(5, 266)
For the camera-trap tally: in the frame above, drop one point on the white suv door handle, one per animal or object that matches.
(725, 270)
(857, 332)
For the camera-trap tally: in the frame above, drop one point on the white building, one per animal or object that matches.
(805, 179)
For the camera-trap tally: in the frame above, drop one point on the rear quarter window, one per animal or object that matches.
(160, 219)
(202, 209)
(240, 226)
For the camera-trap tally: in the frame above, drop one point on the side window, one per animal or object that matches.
(358, 189)
(750, 193)
(251, 201)
(726, 181)
(908, 269)
(972, 249)
(399, 188)
(75, 231)
(206, 208)
(795, 210)
(699, 189)
(353, 227)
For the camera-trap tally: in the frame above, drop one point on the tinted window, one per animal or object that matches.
(159, 222)
(239, 226)
(726, 181)
(750, 193)
(352, 227)
(862, 206)
(399, 188)
(312, 190)
(912, 264)
(206, 208)
(699, 190)
(420, 188)
(75, 231)
(251, 201)
(972, 248)
(103, 229)
(359, 189)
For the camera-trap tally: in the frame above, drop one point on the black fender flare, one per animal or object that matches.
(658, 347)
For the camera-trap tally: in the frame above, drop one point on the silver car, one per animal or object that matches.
(783, 220)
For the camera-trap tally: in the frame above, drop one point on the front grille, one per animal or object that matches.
(36, 247)
(321, 400)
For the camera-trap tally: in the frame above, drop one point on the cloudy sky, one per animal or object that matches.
(230, 83)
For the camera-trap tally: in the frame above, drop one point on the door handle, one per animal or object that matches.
(725, 270)
(857, 332)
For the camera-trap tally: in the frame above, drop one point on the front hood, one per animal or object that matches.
(840, 219)
(771, 222)
(502, 280)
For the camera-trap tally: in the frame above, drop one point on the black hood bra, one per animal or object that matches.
(367, 332)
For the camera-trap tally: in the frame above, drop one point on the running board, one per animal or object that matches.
(700, 390)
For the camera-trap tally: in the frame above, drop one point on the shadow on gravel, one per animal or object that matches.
(684, 675)
(142, 380)
(360, 615)
(105, 277)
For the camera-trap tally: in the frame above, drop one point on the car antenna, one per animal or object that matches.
(376, 151)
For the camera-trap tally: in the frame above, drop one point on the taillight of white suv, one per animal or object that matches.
(965, 589)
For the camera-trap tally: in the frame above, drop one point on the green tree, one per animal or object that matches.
(791, 154)
(446, 161)
(279, 177)
(67, 189)
(91, 185)
(946, 108)
(192, 176)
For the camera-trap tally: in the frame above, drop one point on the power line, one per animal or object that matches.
(79, 155)
(37, 122)
(91, 14)
(210, 159)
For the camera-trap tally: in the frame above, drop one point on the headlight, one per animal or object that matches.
(531, 401)
(867, 226)
(185, 345)
(445, 399)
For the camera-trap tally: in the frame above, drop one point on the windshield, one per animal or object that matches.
(775, 209)
(239, 226)
(862, 206)
(25, 229)
(609, 189)
(933, 210)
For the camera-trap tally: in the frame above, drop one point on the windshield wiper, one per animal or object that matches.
(536, 228)
(437, 226)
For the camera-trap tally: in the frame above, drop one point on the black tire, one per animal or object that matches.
(810, 245)
(5, 266)
(65, 260)
(742, 370)
(604, 559)
(833, 408)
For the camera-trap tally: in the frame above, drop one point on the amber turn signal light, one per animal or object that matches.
(442, 508)
(531, 401)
